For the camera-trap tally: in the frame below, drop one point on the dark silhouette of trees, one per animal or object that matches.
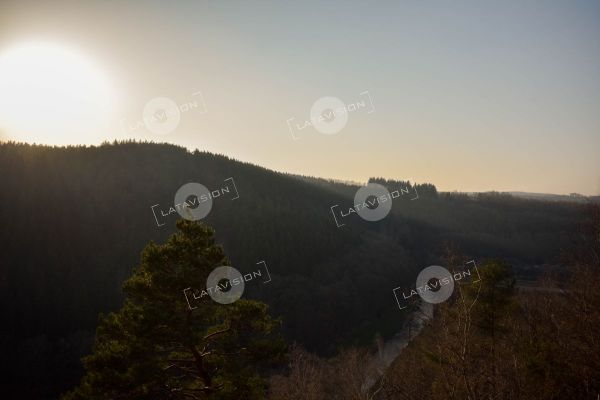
(155, 346)
(74, 218)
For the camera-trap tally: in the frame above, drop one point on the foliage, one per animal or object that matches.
(155, 346)
(75, 218)
(493, 339)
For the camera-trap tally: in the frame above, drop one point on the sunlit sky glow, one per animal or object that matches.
(470, 96)
(51, 94)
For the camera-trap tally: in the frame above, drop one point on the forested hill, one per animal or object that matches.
(75, 220)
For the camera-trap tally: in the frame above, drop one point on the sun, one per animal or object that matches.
(53, 94)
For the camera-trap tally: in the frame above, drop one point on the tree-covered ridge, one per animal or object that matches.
(76, 218)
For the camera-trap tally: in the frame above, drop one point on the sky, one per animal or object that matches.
(467, 95)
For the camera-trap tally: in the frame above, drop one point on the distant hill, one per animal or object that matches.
(573, 197)
(75, 220)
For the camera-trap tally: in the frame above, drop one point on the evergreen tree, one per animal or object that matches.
(156, 347)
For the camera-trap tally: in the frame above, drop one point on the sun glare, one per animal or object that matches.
(52, 94)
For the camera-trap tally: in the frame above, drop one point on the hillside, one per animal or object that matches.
(75, 220)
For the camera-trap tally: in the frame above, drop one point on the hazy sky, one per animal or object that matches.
(470, 96)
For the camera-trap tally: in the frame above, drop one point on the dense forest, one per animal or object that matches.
(75, 220)
(493, 339)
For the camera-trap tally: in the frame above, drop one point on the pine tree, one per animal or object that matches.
(156, 347)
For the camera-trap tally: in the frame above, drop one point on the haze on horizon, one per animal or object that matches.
(469, 96)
